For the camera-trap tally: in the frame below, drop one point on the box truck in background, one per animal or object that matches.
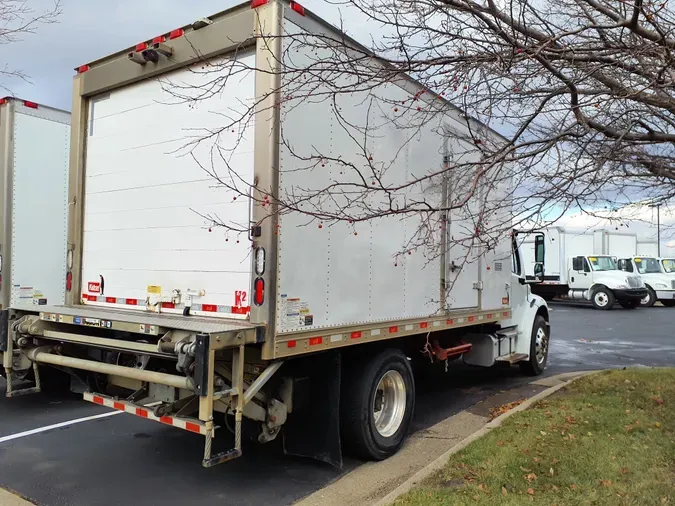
(305, 331)
(638, 256)
(34, 155)
(577, 269)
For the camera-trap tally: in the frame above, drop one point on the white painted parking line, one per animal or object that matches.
(11, 437)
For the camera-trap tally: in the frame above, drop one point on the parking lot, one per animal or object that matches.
(121, 459)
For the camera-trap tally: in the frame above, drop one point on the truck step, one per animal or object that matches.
(512, 358)
(507, 334)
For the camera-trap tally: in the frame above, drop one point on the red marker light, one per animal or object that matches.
(141, 47)
(69, 281)
(82, 69)
(257, 3)
(259, 292)
(298, 8)
(32, 105)
(159, 40)
(178, 32)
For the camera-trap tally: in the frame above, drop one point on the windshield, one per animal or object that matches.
(668, 264)
(647, 265)
(603, 263)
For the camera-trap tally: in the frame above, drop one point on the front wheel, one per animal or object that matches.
(650, 299)
(536, 364)
(377, 404)
(668, 303)
(603, 298)
(629, 304)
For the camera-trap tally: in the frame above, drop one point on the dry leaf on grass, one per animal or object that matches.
(530, 491)
(504, 408)
(504, 491)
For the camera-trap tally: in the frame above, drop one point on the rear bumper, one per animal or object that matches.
(631, 294)
(665, 294)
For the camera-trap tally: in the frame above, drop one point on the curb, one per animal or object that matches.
(9, 498)
(440, 462)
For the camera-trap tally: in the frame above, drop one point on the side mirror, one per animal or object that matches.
(539, 271)
(539, 249)
(576, 264)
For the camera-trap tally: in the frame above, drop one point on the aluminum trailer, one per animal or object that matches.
(306, 328)
(34, 154)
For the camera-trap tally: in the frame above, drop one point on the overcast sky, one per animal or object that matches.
(91, 29)
(88, 30)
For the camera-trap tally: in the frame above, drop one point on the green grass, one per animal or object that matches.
(606, 439)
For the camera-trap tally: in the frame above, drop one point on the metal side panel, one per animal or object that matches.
(98, 317)
(336, 274)
(39, 207)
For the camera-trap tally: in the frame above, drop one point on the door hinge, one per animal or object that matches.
(478, 285)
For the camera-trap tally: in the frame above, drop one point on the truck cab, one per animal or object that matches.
(597, 278)
(660, 283)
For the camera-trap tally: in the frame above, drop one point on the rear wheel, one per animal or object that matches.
(378, 400)
(629, 304)
(538, 348)
(650, 299)
(668, 303)
(603, 298)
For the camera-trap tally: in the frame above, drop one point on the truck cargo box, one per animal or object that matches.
(34, 152)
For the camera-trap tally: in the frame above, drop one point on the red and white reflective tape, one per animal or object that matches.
(205, 308)
(399, 330)
(191, 425)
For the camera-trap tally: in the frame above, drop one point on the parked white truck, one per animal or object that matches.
(573, 273)
(34, 146)
(659, 282)
(638, 256)
(308, 329)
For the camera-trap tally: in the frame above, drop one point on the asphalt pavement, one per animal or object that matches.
(121, 459)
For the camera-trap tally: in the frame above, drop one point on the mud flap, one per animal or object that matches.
(4, 331)
(313, 428)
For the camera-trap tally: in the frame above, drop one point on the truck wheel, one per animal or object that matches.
(536, 364)
(668, 303)
(629, 304)
(378, 400)
(603, 298)
(650, 299)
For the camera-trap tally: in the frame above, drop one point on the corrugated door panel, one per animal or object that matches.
(39, 202)
(146, 235)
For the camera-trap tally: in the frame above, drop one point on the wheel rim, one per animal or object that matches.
(646, 299)
(601, 299)
(540, 345)
(389, 403)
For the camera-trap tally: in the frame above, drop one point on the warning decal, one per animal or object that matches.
(294, 313)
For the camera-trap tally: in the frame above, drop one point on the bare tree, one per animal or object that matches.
(18, 19)
(545, 106)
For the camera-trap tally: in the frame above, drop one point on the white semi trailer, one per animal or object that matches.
(34, 146)
(303, 330)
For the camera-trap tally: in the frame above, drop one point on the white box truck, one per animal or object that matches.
(574, 272)
(34, 147)
(304, 328)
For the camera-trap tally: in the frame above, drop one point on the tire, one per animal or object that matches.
(365, 432)
(629, 304)
(650, 298)
(668, 303)
(539, 342)
(603, 298)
